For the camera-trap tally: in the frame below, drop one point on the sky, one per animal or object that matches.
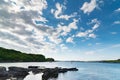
(79, 30)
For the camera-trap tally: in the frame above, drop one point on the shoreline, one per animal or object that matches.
(66, 61)
(21, 72)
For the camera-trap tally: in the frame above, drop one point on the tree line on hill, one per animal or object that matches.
(9, 55)
(112, 61)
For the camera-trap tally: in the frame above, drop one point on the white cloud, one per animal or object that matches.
(70, 40)
(82, 34)
(52, 10)
(59, 9)
(90, 32)
(59, 12)
(19, 31)
(92, 35)
(117, 10)
(37, 21)
(89, 7)
(95, 26)
(15, 6)
(117, 22)
(66, 29)
(55, 39)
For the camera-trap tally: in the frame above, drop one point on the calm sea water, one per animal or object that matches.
(87, 71)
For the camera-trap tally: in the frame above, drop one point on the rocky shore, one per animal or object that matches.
(20, 72)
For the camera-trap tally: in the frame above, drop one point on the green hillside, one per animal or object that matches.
(8, 55)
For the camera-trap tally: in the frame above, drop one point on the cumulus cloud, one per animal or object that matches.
(69, 40)
(19, 29)
(15, 6)
(23, 27)
(92, 35)
(64, 30)
(90, 32)
(58, 13)
(89, 7)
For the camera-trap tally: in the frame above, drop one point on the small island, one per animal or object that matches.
(9, 55)
(111, 61)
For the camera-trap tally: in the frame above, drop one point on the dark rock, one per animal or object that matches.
(70, 69)
(22, 72)
(3, 72)
(2, 69)
(18, 71)
(36, 69)
(33, 66)
(50, 73)
(53, 72)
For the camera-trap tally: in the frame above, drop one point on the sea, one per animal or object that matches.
(86, 70)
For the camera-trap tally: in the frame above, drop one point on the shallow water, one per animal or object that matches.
(87, 71)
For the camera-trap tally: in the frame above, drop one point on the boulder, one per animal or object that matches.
(2, 69)
(35, 69)
(50, 73)
(12, 68)
(3, 72)
(18, 71)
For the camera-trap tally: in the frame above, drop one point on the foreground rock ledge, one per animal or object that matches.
(22, 72)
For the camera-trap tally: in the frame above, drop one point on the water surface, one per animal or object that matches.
(87, 71)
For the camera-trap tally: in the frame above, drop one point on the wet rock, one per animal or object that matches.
(18, 71)
(70, 69)
(2, 69)
(53, 72)
(50, 73)
(22, 72)
(3, 72)
(35, 69)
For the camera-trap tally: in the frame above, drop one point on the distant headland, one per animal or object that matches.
(9, 55)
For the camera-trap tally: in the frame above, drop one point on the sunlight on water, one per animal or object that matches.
(32, 76)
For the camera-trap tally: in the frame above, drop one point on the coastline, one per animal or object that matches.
(21, 72)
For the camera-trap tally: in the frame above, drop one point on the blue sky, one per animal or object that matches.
(62, 29)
